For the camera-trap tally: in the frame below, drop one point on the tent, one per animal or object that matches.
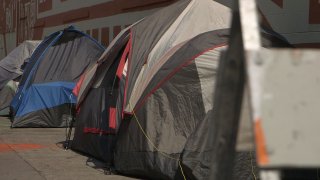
(167, 126)
(99, 91)
(144, 107)
(12, 65)
(11, 68)
(44, 96)
(6, 95)
(94, 134)
(165, 134)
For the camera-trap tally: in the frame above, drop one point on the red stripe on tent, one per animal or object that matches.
(76, 89)
(112, 118)
(97, 131)
(123, 59)
(78, 109)
(127, 77)
(119, 75)
(188, 62)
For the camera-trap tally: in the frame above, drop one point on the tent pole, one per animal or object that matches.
(227, 104)
(68, 137)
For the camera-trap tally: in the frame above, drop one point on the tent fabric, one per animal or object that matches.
(161, 34)
(166, 90)
(6, 76)
(6, 95)
(11, 68)
(18, 56)
(12, 65)
(107, 58)
(98, 93)
(45, 97)
(170, 110)
(196, 18)
(163, 29)
(171, 118)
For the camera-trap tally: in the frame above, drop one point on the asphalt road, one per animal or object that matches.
(37, 154)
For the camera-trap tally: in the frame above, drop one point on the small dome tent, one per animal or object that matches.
(44, 95)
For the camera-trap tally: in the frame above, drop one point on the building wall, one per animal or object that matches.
(297, 20)
(22, 20)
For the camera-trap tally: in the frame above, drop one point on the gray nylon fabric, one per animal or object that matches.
(62, 57)
(94, 115)
(6, 76)
(197, 17)
(171, 81)
(6, 95)
(187, 52)
(59, 116)
(173, 115)
(99, 92)
(67, 61)
(94, 78)
(147, 33)
(18, 56)
(11, 65)
(207, 75)
(169, 116)
(35, 56)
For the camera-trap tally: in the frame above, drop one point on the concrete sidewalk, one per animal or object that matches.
(37, 153)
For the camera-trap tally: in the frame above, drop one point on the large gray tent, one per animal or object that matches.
(142, 49)
(146, 105)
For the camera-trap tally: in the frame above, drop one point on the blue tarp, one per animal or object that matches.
(47, 95)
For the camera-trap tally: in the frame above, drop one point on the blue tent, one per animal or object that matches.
(44, 97)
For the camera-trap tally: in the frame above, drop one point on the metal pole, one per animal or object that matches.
(227, 104)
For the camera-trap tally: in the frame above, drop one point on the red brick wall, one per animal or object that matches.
(314, 13)
(8, 15)
(105, 36)
(44, 5)
(279, 3)
(31, 28)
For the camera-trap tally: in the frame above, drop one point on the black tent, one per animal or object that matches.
(94, 133)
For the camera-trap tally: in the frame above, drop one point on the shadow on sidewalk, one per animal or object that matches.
(91, 161)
